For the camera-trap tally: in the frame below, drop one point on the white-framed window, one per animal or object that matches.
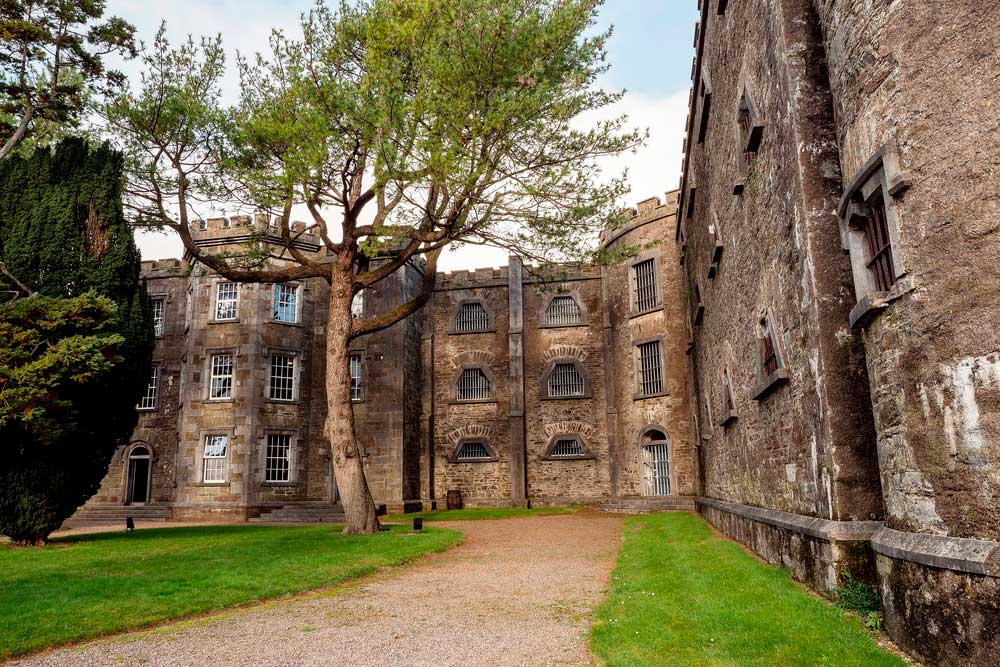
(472, 316)
(357, 378)
(286, 303)
(650, 369)
(226, 298)
(215, 459)
(358, 305)
(281, 386)
(473, 385)
(473, 451)
(278, 458)
(565, 380)
(647, 296)
(159, 316)
(563, 311)
(221, 377)
(150, 399)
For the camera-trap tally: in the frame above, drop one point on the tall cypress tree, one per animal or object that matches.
(63, 234)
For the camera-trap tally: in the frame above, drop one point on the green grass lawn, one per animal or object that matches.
(474, 514)
(91, 585)
(682, 597)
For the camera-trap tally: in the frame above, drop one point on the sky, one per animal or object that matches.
(650, 55)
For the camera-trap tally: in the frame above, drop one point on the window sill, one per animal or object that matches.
(562, 326)
(467, 333)
(276, 485)
(233, 321)
(868, 308)
(728, 418)
(146, 409)
(285, 324)
(209, 484)
(583, 457)
(643, 397)
(640, 313)
(478, 401)
(219, 400)
(770, 383)
(281, 401)
(581, 397)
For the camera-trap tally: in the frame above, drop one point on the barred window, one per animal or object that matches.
(650, 371)
(562, 311)
(566, 380)
(148, 400)
(225, 301)
(472, 317)
(277, 459)
(221, 383)
(214, 466)
(646, 294)
(473, 451)
(159, 311)
(473, 385)
(567, 448)
(769, 361)
(282, 385)
(879, 244)
(357, 382)
(286, 299)
(358, 305)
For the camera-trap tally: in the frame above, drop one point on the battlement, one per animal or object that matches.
(645, 211)
(238, 229)
(164, 268)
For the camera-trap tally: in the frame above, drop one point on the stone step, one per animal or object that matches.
(647, 505)
(301, 513)
(96, 515)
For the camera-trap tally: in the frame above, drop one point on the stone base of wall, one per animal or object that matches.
(214, 514)
(815, 551)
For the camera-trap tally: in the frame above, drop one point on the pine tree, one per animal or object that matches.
(64, 238)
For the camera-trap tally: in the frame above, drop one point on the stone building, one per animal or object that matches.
(513, 385)
(842, 290)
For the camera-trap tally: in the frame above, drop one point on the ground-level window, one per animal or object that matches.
(357, 379)
(221, 379)
(650, 369)
(149, 399)
(563, 311)
(226, 296)
(473, 385)
(473, 451)
(282, 378)
(565, 380)
(159, 316)
(277, 462)
(214, 464)
(655, 449)
(286, 298)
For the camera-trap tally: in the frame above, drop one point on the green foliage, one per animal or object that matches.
(83, 587)
(50, 65)
(857, 596)
(75, 357)
(682, 597)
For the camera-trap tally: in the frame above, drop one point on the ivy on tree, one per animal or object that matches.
(401, 127)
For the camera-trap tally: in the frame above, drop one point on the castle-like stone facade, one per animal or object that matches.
(513, 385)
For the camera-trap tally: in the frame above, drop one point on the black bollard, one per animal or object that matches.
(418, 524)
(129, 524)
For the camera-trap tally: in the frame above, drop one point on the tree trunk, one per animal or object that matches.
(348, 466)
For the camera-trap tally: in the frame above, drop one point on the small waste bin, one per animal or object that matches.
(455, 499)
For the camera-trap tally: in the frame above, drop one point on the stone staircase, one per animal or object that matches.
(301, 513)
(647, 505)
(111, 514)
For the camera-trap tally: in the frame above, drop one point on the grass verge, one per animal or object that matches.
(680, 596)
(484, 513)
(91, 585)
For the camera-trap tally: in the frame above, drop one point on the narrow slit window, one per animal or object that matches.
(286, 304)
(159, 316)
(214, 465)
(357, 383)
(473, 451)
(644, 273)
(473, 385)
(879, 244)
(149, 399)
(472, 317)
(566, 380)
(221, 382)
(277, 465)
(282, 380)
(562, 311)
(226, 296)
(650, 369)
(567, 448)
(769, 360)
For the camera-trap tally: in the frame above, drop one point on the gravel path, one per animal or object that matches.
(517, 592)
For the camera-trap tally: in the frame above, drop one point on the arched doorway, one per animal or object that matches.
(137, 486)
(655, 460)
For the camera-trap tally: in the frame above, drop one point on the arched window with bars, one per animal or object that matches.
(473, 384)
(567, 446)
(563, 310)
(565, 380)
(471, 317)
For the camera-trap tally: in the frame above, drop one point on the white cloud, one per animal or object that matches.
(246, 26)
